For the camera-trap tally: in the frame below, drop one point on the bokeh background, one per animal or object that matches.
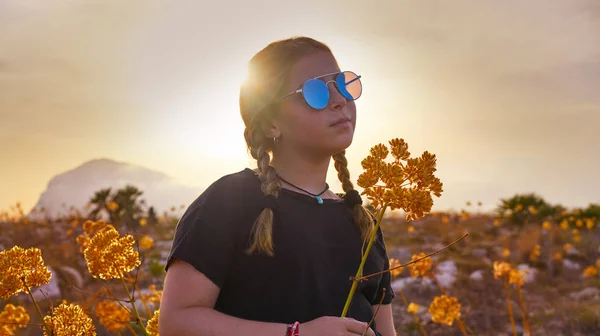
(505, 93)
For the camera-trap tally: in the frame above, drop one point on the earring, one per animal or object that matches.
(276, 141)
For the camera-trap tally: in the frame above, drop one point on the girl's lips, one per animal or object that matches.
(340, 122)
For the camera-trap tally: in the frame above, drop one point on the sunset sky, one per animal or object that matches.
(505, 93)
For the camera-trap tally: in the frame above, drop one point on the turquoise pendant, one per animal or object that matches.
(319, 199)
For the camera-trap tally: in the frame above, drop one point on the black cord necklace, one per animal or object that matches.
(316, 196)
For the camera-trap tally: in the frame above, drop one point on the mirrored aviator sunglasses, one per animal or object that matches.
(316, 92)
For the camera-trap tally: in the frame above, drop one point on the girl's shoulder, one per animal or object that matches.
(228, 195)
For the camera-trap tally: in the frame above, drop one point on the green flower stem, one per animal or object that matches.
(363, 261)
(135, 312)
(48, 330)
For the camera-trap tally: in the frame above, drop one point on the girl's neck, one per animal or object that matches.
(308, 174)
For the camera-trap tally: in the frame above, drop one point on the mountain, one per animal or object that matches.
(75, 187)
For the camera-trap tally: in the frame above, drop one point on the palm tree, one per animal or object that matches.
(100, 202)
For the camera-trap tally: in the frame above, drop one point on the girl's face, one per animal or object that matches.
(302, 128)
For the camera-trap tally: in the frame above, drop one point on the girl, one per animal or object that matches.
(270, 251)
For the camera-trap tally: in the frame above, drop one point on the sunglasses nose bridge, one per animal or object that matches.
(336, 97)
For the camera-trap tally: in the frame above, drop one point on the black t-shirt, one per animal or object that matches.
(317, 248)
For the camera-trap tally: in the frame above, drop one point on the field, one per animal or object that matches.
(552, 256)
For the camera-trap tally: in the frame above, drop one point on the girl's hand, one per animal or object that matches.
(335, 326)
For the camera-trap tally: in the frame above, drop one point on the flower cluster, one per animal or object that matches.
(109, 256)
(69, 319)
(393, 264)
(503, 270)
(445, 309)
(152, 326)
(413, 308)
(90, 228)
(22, 269)
(535, 253)
(12, 318)
(112, 316)
(406, 186)
(516, 277)
(154, 297)
(146, 242)
(590, 271)
(421, 267)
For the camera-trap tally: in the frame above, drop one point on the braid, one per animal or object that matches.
(268, 72)
(262, 231)
(363, 219)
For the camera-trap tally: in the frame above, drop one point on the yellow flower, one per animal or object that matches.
(413, 308)
(546, 226)
(420, 268)
(497, 222)
(143, 221)
(154, 297)
(445, 309)
(395, 263)
(22, 269)
(558, 256)
(519, 207)
(69, 319)
(579, 223)
(89, 226)
(109, 256)
(146, 242)
(113, 206)
(501, 269)
(112, 315)
(589, 223)
(464, 215)
(505, 252)
(152, 326)
(590, 271)
(575, 232)
(577, 238)
(532, 210)
(517, 277)
(12, 318)
(567, 247)
(411, 229)
(535, 252)
(445, 219)
(564, 225)
(407, 186)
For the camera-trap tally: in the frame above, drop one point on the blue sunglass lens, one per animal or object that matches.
(316, 93)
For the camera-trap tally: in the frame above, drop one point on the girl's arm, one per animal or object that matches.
(186, 308)
(385, 320)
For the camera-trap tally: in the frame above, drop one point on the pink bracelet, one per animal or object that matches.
(293, 329)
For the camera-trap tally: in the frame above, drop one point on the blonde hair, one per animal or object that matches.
(268, 71)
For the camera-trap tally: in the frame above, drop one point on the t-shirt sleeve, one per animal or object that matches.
(205, 236)
(384, 289)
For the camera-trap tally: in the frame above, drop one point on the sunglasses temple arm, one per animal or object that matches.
(291, 93)
(355, 79)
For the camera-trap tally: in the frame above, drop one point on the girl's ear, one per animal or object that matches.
(270, 129)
